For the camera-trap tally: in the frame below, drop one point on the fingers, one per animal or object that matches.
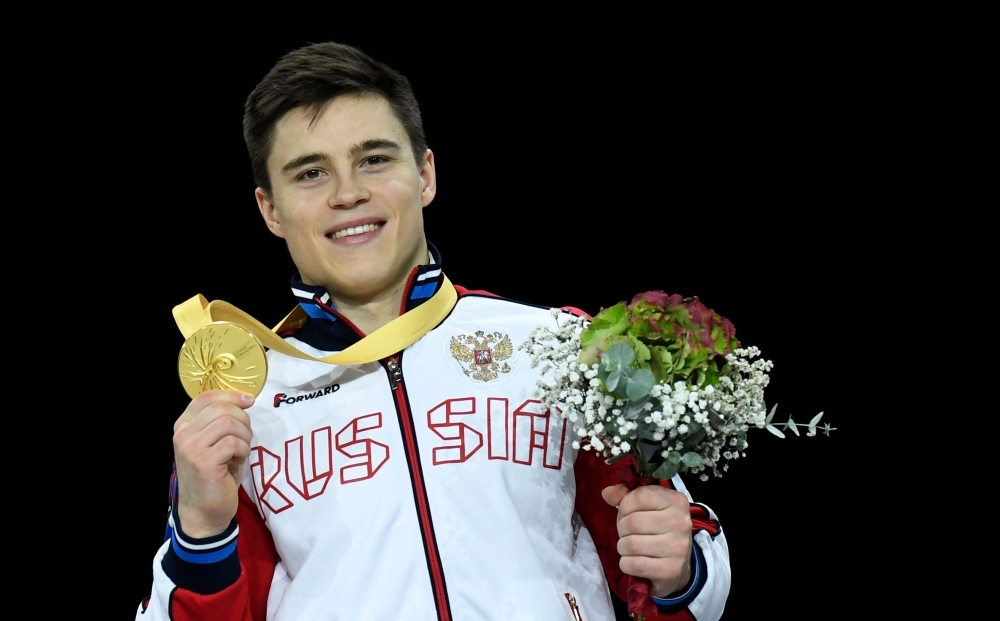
(655, 537)
(653, 498)
(211, 444)
(228, 451)
(666, 575)
(667, 545)
(217, 433)
(660, 569)
(224, 425)
(212, 400)
(613, 495)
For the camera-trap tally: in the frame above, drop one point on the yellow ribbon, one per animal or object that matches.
(391, 338)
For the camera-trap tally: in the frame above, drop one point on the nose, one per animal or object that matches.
(348, 192)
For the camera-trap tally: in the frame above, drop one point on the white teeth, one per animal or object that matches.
(357, 230)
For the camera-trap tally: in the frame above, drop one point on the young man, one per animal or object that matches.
(427, 484)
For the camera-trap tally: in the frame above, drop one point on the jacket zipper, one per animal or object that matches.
(440, 590)
(573, 607)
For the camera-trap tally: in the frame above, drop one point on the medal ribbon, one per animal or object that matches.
(391, 338)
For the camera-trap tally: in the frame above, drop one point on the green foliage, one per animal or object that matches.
(621, 377)
(691, 459)
(666, 470)
(609, 322)
(658, 339)
(663, 338)
(640, 382)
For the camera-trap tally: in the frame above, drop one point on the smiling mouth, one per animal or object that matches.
(355, 230)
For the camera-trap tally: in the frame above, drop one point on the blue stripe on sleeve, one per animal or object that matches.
(203, 559)
(698, 579)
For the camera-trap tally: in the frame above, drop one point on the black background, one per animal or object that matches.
(745, 155)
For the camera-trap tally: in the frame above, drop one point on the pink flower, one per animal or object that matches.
(656, 298)
(700, 314)
(728, 328)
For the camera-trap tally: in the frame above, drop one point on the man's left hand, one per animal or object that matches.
(654, 530)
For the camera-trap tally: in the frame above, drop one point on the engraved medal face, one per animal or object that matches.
(222, 356)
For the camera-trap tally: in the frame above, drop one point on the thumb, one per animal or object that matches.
(614, 494)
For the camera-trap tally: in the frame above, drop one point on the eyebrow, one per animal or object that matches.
(304, 160)
(374, 144)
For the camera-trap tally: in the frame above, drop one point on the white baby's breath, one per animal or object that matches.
(725, 412)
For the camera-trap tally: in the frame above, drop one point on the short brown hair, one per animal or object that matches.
(312, 76)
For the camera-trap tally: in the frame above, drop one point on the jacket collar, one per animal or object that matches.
(328, 330)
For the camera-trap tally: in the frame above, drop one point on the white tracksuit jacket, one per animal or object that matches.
(426, 486)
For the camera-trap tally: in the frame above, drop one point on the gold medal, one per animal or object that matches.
(222, 356)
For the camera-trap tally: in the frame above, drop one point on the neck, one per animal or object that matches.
(370, 314)
(365, 312)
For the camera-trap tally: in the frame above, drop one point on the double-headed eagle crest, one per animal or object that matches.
(480, 355)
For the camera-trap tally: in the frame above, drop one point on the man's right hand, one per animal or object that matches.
(211, 443)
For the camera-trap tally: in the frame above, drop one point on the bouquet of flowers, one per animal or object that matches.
(661, 381)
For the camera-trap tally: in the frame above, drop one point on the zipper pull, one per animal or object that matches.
(395, 372)
(573, 607)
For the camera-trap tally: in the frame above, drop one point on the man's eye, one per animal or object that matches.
(311, 174)
(374, 160)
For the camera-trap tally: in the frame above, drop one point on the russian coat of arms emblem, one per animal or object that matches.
(482, 356)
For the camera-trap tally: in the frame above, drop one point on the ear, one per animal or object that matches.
(429, 179)
(268, 212)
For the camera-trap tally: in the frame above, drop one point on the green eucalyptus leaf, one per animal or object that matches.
(813, 423)
(666, 471)
(791, 425)
(770, 415)
(648, 451)
(639, 384)
(621, 355)
(674, 457)
(613, 378)
(634, 408)
(646, 434)
(775, 431)
(691, 459)
(696, 433)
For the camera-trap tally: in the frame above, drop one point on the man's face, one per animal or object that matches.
(347, 197)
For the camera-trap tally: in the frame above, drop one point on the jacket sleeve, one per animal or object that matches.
(705, 597)
(224, 578)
